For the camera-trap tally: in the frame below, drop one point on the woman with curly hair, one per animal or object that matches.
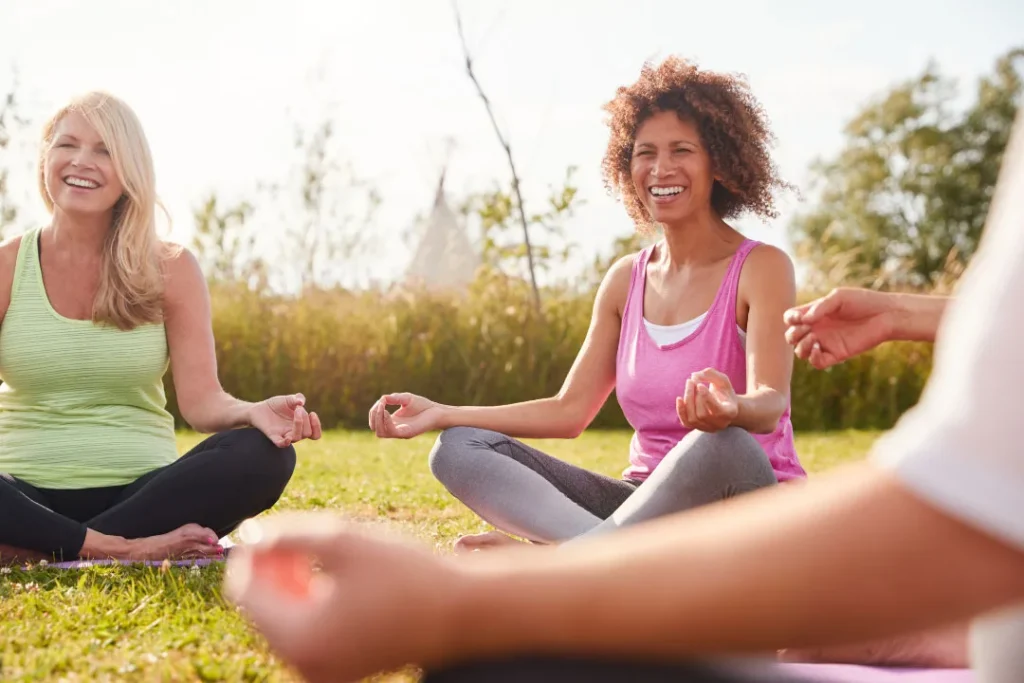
(688, 332)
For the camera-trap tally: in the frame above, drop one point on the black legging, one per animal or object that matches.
(611, 670)
(226, 479)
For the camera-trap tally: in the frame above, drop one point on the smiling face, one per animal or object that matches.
(78, 171)
(670, 168)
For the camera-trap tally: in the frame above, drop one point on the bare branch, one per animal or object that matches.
(508, 152)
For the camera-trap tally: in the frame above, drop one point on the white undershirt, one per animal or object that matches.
(664, 335)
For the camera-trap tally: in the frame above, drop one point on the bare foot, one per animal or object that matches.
(488, 540)
(188, 541)
(944, 648)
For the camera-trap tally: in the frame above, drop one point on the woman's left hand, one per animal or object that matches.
(709, 403)
(284, 419)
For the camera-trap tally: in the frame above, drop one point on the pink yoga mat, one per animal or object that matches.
(844, 673)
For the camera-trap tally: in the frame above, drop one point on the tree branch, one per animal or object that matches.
(508, 152)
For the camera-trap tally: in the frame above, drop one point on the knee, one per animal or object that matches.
(262, 460)
(451, 458)
(733, 452)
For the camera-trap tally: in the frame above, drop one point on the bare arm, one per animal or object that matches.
(202, 401)
(916, 317)
(586, 387)
(768, 285)
(852, 556)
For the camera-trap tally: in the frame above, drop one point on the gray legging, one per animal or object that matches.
(524, 492)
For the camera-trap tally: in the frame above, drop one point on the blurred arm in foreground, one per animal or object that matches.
(929, 532)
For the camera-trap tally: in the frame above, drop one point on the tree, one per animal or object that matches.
(904, 203)
(10, 122)
(502, 252)
(330, 227)
(224, 247)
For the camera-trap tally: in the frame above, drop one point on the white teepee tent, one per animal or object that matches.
(444, 258)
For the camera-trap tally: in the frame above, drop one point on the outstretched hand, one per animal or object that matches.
(415, 415)
(839, 326)
(285, 420)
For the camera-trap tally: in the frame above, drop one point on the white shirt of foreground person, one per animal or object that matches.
(962, 447)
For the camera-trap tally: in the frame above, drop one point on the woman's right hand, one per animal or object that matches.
(415, 415)
(841, 325)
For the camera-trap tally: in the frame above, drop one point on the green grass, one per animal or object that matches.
(130, 623)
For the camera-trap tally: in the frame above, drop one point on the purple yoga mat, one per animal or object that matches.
(845, 673)
(84, 564)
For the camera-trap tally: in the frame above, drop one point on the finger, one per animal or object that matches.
(370, 413)
(296, 431)
(796, 333)
(379, 410)
(683, 404)
(797, 314)
(705, 406)
(305, 428)
(804, 346)
(823, 307)
(822, 359)
(387, 421)
(714, 378)
(691, 404)
(681, 410)
(314, 423)
(401, 399)
(295, 400)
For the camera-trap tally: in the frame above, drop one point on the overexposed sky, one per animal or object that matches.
(218, 84)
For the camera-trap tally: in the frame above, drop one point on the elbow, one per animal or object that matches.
(193, 419)
(573, 420)
(573, 430)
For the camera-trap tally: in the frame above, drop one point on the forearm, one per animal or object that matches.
(916, 317)
(760, 410)
(842, 559)
(218, 412)
(546, 418)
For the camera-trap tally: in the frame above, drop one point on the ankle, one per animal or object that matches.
(99, 545)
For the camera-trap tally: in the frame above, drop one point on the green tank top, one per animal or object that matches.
(81, 405)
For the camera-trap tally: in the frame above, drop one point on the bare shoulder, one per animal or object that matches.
(183, 276)
(8, 260)
(769, 267)
(9, 252)
(615, 286)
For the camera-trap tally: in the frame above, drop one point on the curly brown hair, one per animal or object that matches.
(733, 128)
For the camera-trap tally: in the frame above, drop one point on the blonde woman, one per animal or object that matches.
(93, 309)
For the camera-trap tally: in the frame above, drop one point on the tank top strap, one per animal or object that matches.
(27, 275)
(635, 298)
(731, 285)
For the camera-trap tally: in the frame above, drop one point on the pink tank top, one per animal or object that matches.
(649, 377)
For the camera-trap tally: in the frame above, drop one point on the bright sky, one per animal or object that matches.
(218, 83)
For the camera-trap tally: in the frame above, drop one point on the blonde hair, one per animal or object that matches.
(131, 275)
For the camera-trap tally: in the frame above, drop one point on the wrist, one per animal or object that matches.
(447, 417)
(247, 410)
(915, 317)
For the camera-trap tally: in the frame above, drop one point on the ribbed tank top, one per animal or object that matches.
(649, 376)
(81, 405)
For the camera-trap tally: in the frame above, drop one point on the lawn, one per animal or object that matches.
(122, 623)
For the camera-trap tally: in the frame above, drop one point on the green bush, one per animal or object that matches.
(343, 350)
